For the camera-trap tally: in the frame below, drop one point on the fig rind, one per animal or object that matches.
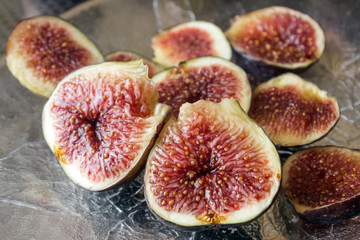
(331, 210)
(253, 20)
(126, 56)
(222, 79)
(38, 78)
(112, 73)
(294, 119)
(227, 111)
(208, 33)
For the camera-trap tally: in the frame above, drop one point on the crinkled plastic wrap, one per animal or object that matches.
(38, 201)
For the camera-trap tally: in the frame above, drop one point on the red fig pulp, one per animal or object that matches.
(100, 122)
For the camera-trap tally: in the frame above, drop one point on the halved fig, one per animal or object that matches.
(100, 122)
(323, 183)
(126, 56)
(277, 36)
(42, 50)
(293, 111)
(190, 40)
(208, 78)
(213, 165)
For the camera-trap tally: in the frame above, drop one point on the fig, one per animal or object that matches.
(323, 183)
(100, 122)
(42, 50)
(208, 78)
(190, 40)
(293, 111)
(277, 36)
(213, 165)
(126, 56)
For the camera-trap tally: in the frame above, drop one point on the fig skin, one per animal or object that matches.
(293, 121)
(328, 213)
(126, 56)
(252, 20)
(40, 68)
(221, 75)
(105, 78)
(201, 32)
(184, 218)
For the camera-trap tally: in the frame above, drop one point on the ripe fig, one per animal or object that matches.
(100, 122)
(323, 183)
(213, 165)
(208, 78)
(126, 56)
(190, 40)
(293, 111)
(277, 36)
(44, 49)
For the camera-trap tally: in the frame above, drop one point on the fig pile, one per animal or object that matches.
(208, 161)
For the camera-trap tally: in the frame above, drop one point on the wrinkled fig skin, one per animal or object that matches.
(211, 166)
(101, 122)
(279, 37)
(42, 50)
(333, 178)
(126, 56)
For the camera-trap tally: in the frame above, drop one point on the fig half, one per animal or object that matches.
(293, 111)
(100, 122)
(42, 50)
(126, 56)
(207, 78)
(213, 165)
(278, 36)
(190, 40)
(323, 183)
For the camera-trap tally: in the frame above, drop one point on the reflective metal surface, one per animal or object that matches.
(37, 200)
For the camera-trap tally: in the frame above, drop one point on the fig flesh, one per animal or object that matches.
(44, 49)
(278, 36)
(190, 40)
(126, 56)
(323, 183)
(293, 111)
(213, 165)
(100, 122)
(207, 78)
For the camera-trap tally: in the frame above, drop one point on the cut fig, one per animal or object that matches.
(126, 56)
(42, 50)
(277, 36)
(190, 40)
(213, 165)
(100, 122)
(323, 183)
(293, 111)
(207, 78)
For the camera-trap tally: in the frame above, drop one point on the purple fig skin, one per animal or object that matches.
(334, 213)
